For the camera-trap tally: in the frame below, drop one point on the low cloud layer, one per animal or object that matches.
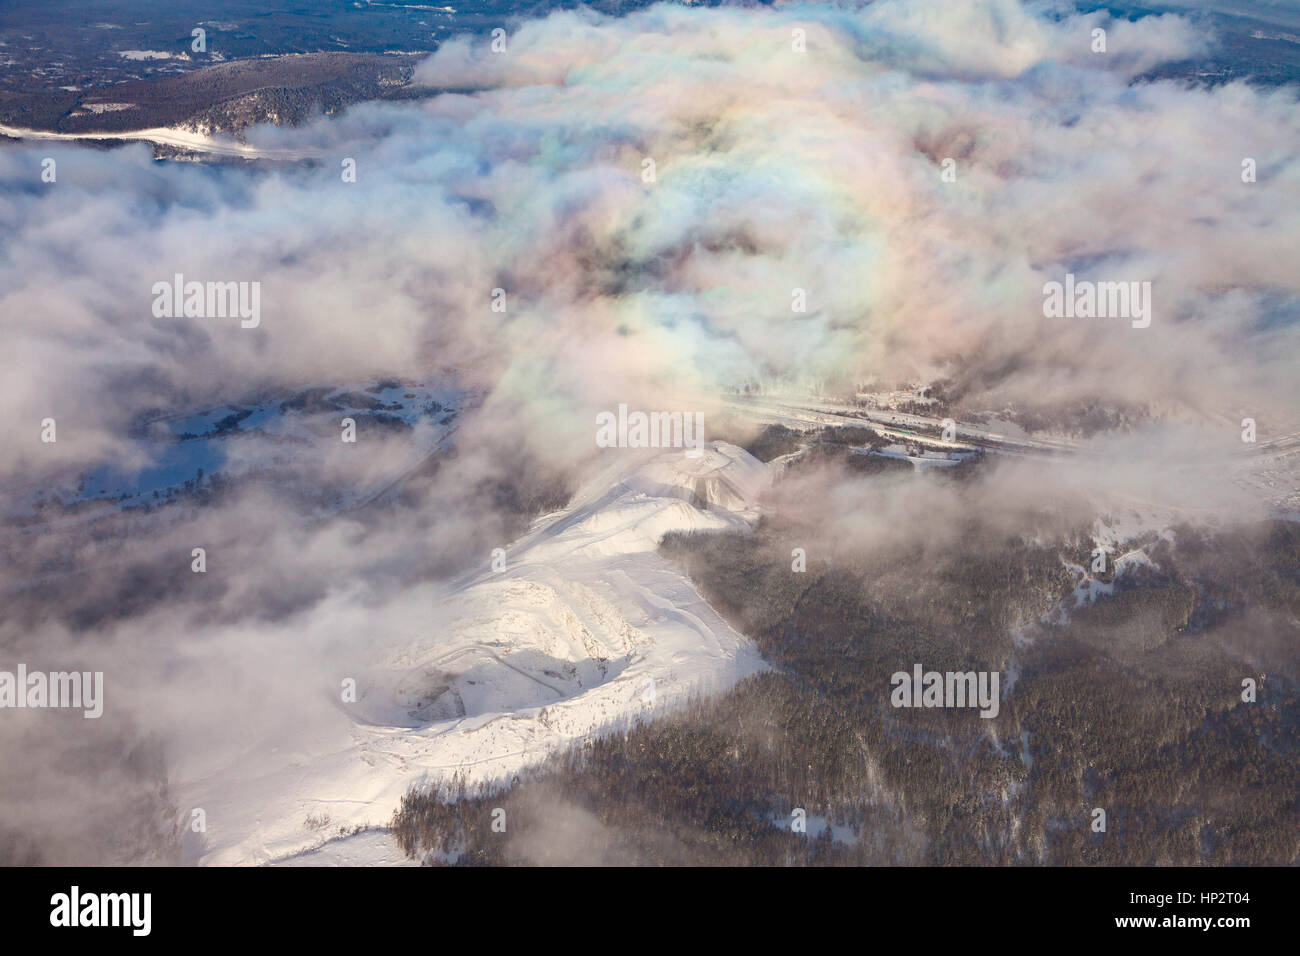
(774, 170)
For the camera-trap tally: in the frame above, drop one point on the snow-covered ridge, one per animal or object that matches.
(178, 137)
(586, 627)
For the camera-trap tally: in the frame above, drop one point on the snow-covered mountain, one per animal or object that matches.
(584, 627)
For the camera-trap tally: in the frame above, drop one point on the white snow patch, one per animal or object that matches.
(151, 55)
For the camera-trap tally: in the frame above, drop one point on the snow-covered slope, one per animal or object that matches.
(585, 628)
